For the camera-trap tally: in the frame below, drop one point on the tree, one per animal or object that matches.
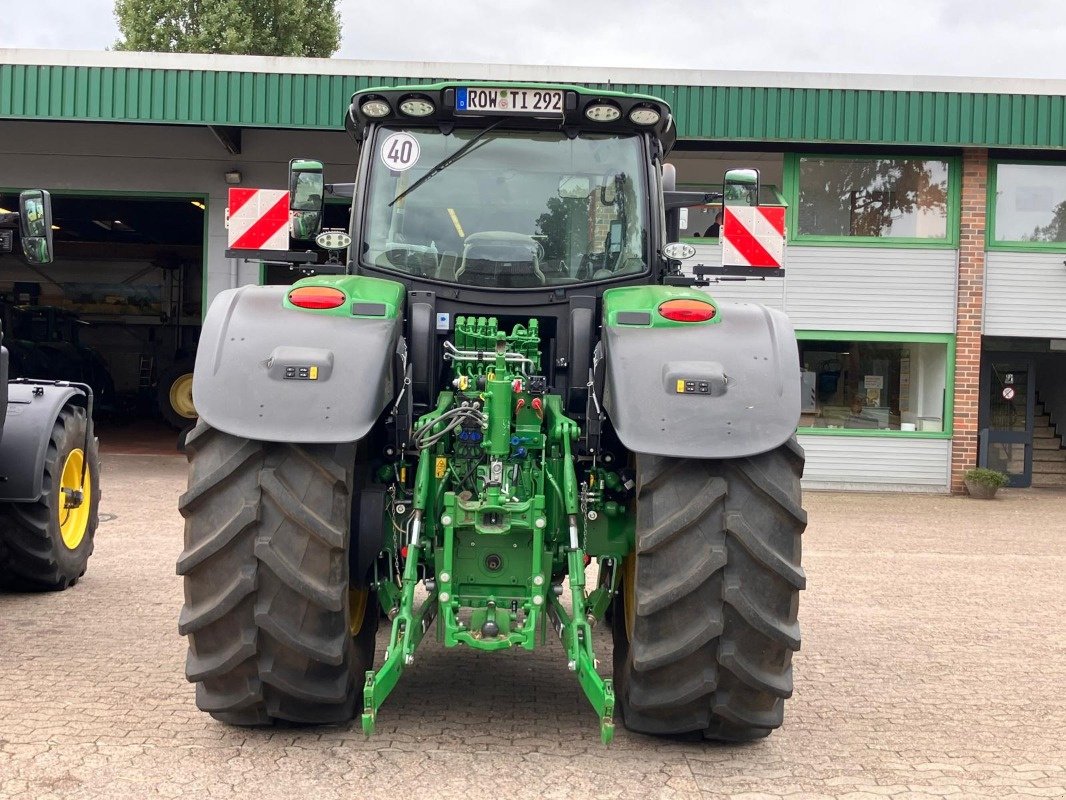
(234, 27)
(864, 197)
(1054, 231)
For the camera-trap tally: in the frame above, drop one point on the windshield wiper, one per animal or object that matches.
(446, 162)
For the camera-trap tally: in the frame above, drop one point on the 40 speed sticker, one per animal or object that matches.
(400, 151)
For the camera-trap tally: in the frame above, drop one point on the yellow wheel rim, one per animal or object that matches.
(73, 515)
(181, 396)
(629, 587)
(356, 610)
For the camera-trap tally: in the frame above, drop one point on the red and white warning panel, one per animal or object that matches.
(753, 236)
(258, 219)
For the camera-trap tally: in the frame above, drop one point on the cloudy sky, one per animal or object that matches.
(1023, 39)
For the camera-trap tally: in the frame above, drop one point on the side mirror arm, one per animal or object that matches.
(672, 200)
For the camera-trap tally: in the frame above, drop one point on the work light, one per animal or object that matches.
(643, 115)
(602, 112)
(416, 107)
(375, 108)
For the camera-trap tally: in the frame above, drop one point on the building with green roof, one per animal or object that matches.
(926, 238)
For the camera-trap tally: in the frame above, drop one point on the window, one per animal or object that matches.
(901, 199)
(513, 210)
(1029, 204)
(852, 384)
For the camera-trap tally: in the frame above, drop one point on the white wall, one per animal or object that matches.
(853, 288)
(1025, 294)
(153, 158)
(876, 463)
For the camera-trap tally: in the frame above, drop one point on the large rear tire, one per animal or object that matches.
(706, 622)
(45, 546)
(266, 567)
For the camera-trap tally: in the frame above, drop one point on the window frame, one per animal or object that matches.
(791, 180)
(947, 339)
(1011, 245)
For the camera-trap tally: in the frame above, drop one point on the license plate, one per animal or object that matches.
(543, 102)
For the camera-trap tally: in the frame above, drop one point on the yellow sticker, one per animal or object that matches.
(455, 222)
(680, 386)
(313, 373)
(440, 467)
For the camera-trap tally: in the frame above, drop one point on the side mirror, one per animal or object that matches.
(306, 198)
(741, 187)
(35, 225)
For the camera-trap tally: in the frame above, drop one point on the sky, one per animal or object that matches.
(976, 38)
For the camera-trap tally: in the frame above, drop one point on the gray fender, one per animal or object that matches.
(27, 432)
(748, 364)
(250, 343)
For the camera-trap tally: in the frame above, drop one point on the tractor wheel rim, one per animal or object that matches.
(629, 585)
(74, 521)
(181, 396)
(356, 610)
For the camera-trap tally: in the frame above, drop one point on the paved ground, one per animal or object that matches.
(933, 664)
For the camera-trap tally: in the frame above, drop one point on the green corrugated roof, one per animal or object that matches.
(763, 114)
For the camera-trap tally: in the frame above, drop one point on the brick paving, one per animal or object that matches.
(933, 665)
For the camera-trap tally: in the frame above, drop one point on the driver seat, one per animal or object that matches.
(501, 259)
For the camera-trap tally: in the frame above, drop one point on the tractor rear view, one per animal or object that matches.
(507, 377)
(49, 464)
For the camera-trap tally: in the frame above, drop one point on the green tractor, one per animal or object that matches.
(49, 462)
(508, 376)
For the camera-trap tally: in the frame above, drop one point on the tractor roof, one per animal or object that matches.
(471, 103)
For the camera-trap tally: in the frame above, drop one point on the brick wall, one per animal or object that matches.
(969, 308)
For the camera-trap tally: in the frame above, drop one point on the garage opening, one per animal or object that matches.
(119, 308)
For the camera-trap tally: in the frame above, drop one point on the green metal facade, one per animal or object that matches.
(200, 97)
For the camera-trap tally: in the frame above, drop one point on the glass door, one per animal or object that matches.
(1006, 419)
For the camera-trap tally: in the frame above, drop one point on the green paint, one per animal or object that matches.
(648, 299)
(499, 508)
(712, 113)
(357, 289)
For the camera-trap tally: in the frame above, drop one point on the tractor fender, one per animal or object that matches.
(724, 390)
(267, 372)
(32, 411)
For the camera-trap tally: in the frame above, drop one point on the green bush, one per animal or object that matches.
(986, 477)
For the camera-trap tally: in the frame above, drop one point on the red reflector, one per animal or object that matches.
(687, 310)
(403, 551)
(316, 297)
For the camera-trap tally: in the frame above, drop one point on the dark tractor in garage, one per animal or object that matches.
(49, 464)
(508, 376)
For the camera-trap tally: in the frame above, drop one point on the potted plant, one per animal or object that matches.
(983, 483)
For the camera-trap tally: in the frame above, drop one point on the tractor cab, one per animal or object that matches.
(511, 189)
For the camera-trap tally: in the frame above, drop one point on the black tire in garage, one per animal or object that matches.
(174, 395)
(266, 566)
(706, 621)
(45, 546)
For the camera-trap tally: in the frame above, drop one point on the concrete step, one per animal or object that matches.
(1047, 432)
(1042, 420)
(1049, 468)
(1049, 455)
(1044, 443)
(1049, 481)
